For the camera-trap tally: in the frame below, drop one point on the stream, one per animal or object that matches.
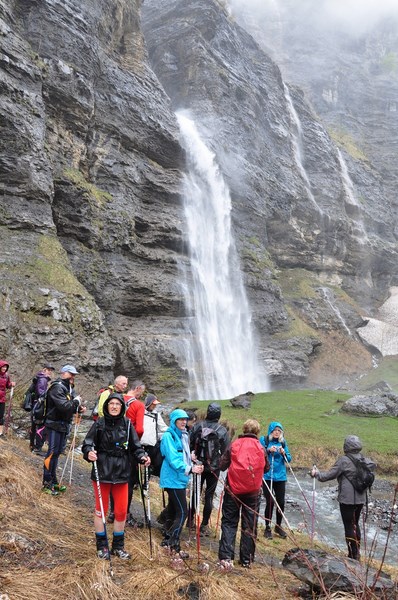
(328, 526)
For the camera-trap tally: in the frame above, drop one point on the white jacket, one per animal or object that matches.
(154, 428)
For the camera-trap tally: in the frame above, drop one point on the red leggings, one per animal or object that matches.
(119, 495)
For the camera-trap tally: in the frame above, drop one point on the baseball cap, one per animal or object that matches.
(49, 367)
(151, 399)
(69, 369)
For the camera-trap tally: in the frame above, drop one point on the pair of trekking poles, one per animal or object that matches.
(311, 507)
(71, 452)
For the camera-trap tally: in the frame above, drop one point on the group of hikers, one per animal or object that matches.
(129, 441)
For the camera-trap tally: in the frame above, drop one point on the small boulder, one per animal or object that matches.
(243, 400)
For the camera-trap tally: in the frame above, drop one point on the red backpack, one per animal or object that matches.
(246, 470)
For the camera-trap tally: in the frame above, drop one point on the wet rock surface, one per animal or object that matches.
(322, 571)
(90, 173)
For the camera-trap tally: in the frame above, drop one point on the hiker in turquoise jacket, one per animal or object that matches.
(274, 484)
(174, 476)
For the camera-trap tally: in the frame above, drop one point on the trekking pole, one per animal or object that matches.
(300, 488)
(102, 514)
(77, 423)
(8, 417)
(144, 492)
(65, 465)
(197, 481)
(219, 512)
(148, 499)
(313, 507)
(271, 492)
(191, 505)
(277, 505)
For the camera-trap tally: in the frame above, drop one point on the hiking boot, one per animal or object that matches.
(59, 488)
(104, 554)
(281, 532)
(205, 531)
(245, 564)
(111, 517)
(49, 489)
(183, 555)
(38, 452)
(121, 553)
(225, 565)
(118, 547)
(268, 533)
(132, 522)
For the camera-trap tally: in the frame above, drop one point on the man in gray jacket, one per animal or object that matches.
(350, 499)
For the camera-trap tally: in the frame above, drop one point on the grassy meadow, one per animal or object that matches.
(315, 426)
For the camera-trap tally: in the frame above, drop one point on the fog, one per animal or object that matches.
(353, 16)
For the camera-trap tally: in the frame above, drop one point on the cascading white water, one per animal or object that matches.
(328, 296)
(222, 356)
(296, 132)
(351, 199)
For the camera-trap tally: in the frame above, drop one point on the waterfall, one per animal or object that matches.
(346, 179)
(222, 357)
(353, 209)
(297, 136)
(329, 298)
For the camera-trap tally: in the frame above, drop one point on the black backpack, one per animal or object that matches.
(362, 480)
(207, 446)
(39, 411)
(30, 396)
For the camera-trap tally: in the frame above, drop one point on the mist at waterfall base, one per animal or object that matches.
(221, 355)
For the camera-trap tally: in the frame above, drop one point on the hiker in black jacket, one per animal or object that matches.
(112, 442)
(211, 462)
(61, 404)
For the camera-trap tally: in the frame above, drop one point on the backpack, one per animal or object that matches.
(207, 447)
(94, 412)
(30, 396)
(246, 470)
(39, 409)
(362, 480)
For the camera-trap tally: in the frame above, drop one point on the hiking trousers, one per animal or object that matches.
(177, 514)
(279, 491)
(56, 443)
(234, 506)
(350, 513)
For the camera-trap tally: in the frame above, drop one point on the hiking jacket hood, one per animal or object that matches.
(277, 470)
(221, 431)
(347, 494)
(5, 381)
(176, 466)
(213, 412)
(116, 443)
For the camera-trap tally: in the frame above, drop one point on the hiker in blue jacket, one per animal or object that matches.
(174, 477)
(274, 484)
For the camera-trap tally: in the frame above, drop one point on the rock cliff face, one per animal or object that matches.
(89, 192)
(317, 252)
(91, 223)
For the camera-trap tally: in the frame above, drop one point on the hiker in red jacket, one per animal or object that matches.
(246, 461)
(5, 384)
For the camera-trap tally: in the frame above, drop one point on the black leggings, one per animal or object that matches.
(279, 489)
(350, 513)
(2, 410)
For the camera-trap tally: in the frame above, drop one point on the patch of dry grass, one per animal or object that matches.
(47, 549)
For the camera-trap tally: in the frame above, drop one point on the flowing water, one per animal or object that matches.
(330, 300)
(297, 144)
(222, 356)
(328, 526)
